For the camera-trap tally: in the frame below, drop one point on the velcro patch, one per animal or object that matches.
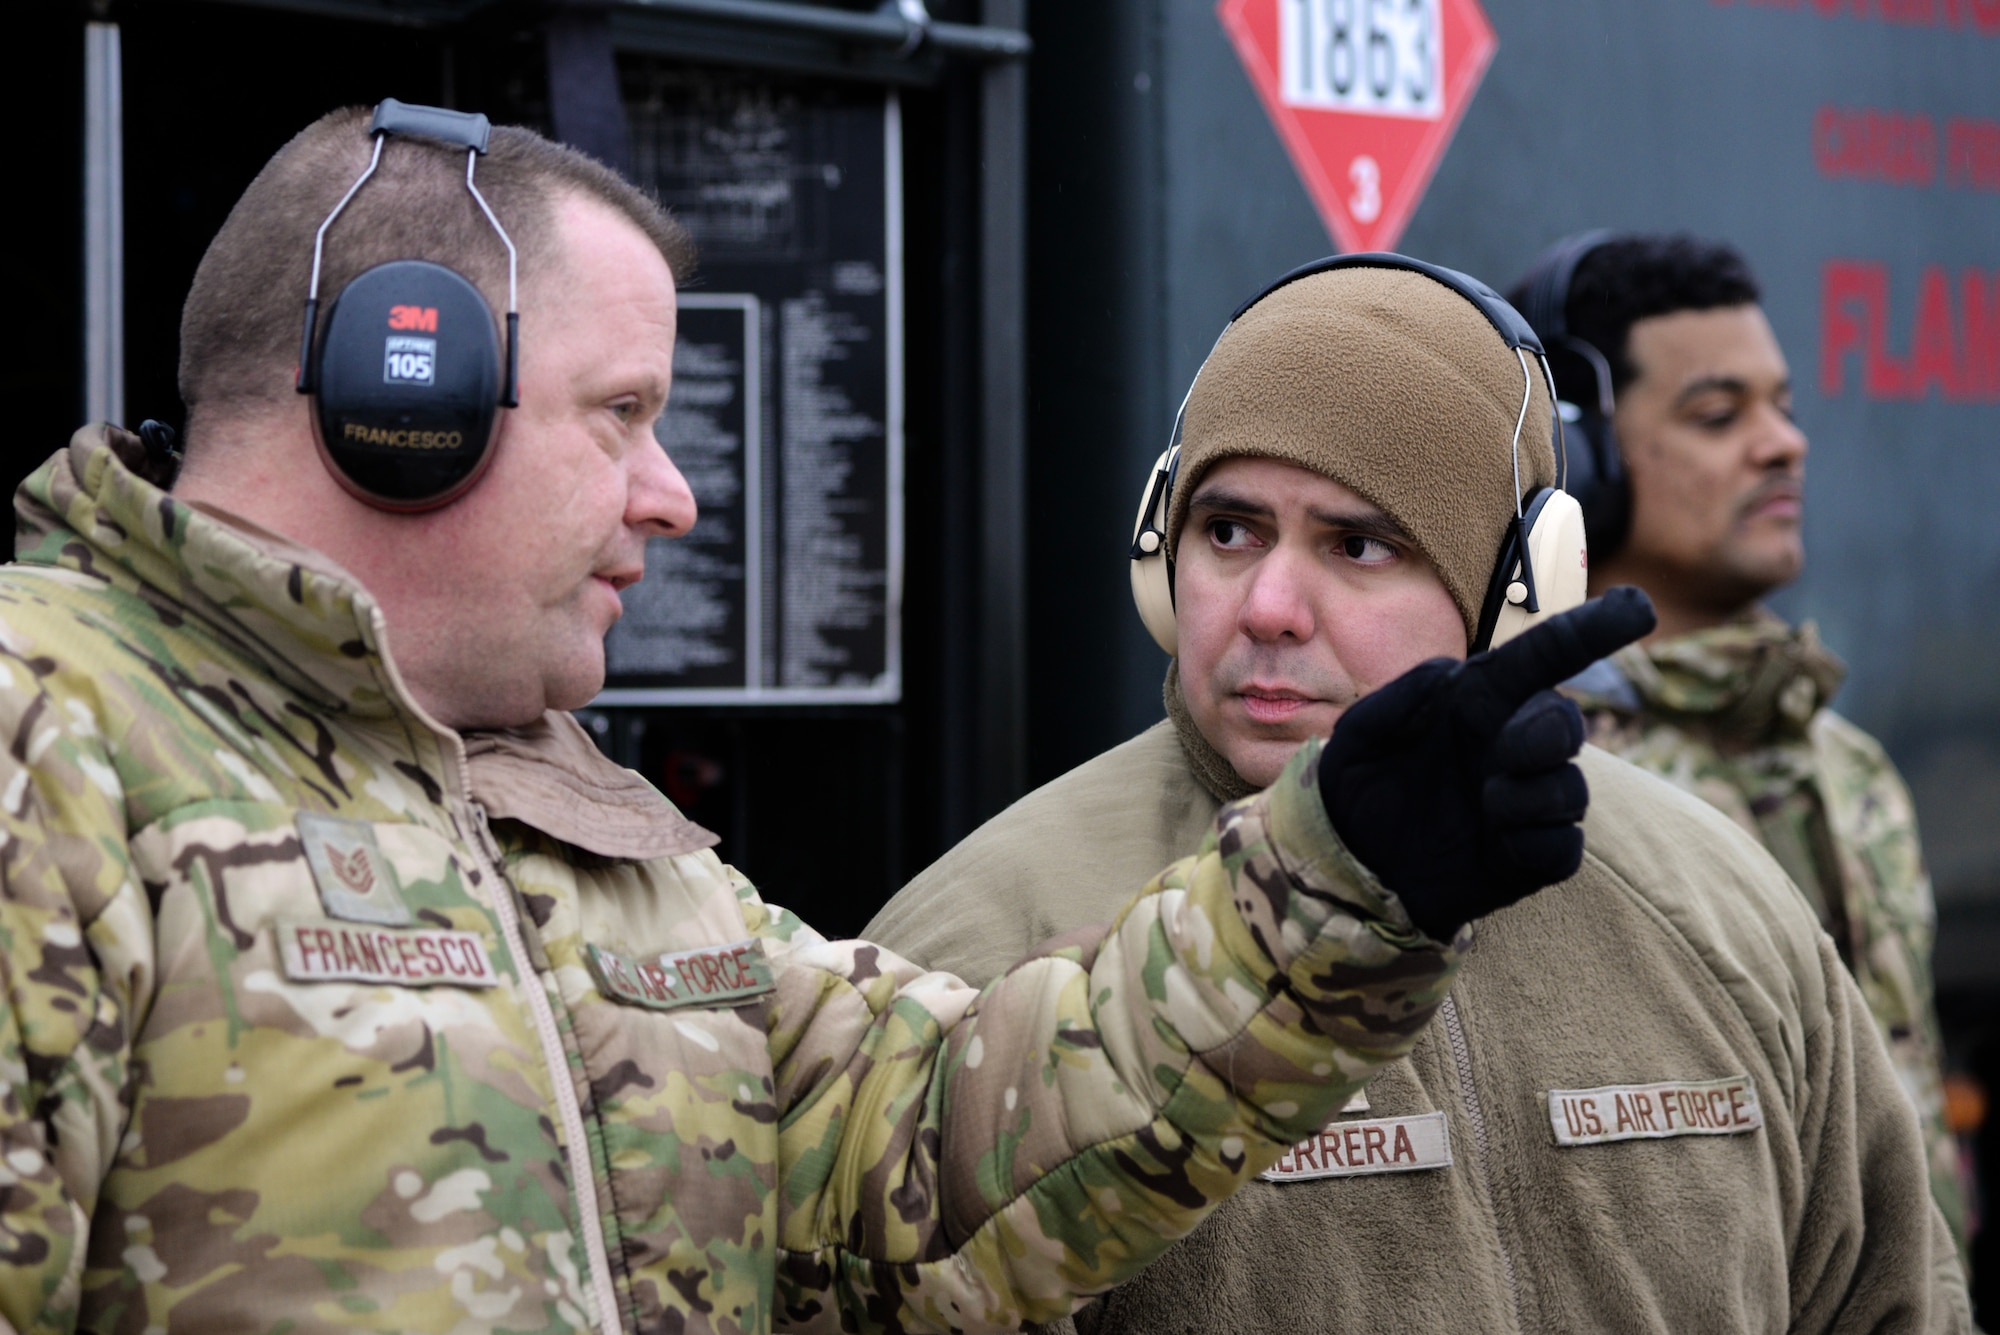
(1356, 1149)
(714, 976)
(338, 952)
(355, 880)
(1654, 1112)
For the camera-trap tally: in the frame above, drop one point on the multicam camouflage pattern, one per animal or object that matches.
(1737, 716)
(197, 1138)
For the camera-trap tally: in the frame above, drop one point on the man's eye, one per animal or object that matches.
(1229, 533)
(625, 412)
(1367, 551)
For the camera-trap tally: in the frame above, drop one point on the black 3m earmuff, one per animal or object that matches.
(1541, 568)
(408, 376)
(1597, 473)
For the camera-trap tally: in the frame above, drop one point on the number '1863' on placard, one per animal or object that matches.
(1382, 57)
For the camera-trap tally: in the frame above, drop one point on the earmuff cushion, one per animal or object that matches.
(1597, 480)
(408, 385)
(1152, 571)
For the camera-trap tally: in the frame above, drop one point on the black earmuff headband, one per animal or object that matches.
(1547, 302)
(469, 130)
(406, 377)
(1602, 487)
(1506, 321)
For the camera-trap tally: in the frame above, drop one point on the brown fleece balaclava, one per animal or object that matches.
(1397, 388)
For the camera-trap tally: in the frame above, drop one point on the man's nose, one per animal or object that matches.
(1780, 443)
(1276, 605)
(659, 502)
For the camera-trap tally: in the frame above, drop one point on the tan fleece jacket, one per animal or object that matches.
(1678, 954)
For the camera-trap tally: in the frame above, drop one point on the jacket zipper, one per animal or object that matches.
(1461, 1056)
(576, 1149)
(582, 1174)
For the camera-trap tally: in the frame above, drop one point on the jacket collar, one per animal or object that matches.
(99, 507)
(550, 775)
(1756, 678)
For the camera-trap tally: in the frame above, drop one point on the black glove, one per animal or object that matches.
(1453, 783)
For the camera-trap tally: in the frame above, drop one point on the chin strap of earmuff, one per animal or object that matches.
(1546, 529)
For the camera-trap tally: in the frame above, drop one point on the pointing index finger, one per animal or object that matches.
(1565, 645)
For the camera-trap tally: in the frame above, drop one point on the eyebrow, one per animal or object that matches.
(1727, 384)
(1369, 523)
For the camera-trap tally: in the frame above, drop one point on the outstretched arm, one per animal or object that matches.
(971, 1164)
(980, 1162)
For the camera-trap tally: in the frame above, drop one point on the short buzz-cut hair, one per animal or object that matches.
(240, 326)
(1638, 276)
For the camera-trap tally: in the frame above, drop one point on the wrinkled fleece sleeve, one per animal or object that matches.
(947, 1162)
(1873, 1251)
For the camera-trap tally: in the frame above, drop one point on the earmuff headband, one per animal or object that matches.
(1545, 527)
(1602, 487)
(470, 131)
(1547, 298)
(1506, 321)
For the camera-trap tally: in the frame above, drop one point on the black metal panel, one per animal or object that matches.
(707, 41)
(1100, 406)
(1001, 749)
(830, 808)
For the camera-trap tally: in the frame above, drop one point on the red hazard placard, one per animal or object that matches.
(1365, 94)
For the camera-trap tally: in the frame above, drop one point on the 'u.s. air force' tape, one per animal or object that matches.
(326, 951)
(727, 975)
(1726, 1107)
(1375, 1145)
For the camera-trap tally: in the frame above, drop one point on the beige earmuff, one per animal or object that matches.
(1152, 573)
(1543, 568)
(1560, 559)
(1544, 565)
(1558, 563)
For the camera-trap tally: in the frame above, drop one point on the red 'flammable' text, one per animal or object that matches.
(1953, 342)
(1979, 15)
(1901, 148)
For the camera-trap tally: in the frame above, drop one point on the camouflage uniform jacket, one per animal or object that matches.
(315, 1015)
(1737, 716)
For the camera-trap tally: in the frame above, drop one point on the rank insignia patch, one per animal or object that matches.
(355, 881)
